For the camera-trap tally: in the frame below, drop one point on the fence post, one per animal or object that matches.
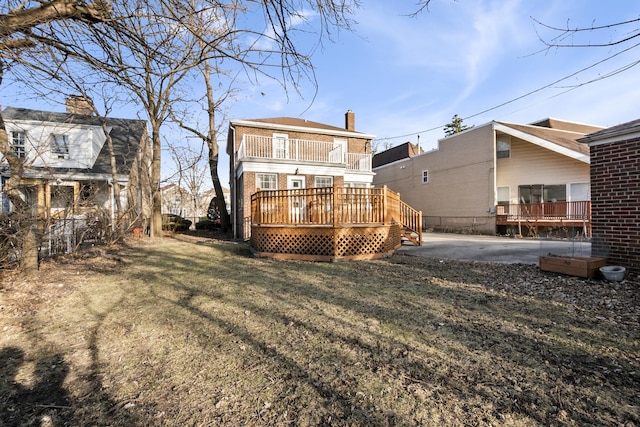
(385, 205)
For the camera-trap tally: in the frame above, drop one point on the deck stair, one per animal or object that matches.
(411, 220)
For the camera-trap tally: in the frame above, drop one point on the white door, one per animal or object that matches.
(298, 205)
(336, 155)
(280, 146)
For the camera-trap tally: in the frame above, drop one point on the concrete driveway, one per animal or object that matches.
(493, 248)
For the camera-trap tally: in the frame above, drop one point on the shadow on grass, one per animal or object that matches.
(436, 327)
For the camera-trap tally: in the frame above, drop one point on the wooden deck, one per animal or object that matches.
(326, 224)
(548, 214)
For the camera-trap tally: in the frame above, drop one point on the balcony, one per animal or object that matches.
(302, 151)
(547, 214)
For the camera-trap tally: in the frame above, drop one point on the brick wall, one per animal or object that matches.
(615, 198)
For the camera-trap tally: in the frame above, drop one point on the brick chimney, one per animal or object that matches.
(77, 104)
(350, 120)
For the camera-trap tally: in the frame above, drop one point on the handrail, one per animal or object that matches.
(571, 211)
(302, 150)
(412, 220)
(335, 206)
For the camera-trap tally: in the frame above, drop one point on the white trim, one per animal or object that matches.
(291, 178)
(542, 143)
(610, 139)
(278, 127)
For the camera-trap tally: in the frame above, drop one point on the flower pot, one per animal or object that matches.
(613, 272)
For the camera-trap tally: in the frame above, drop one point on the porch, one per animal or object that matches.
(533, 216)
(301, 150)
(332, 223)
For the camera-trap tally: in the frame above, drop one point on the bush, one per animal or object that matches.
(172, 222)
(207, 225)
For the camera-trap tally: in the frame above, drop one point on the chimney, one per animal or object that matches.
(350, 120)
(77, 104)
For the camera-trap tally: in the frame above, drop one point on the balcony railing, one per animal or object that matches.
(549, 211)
(301, 150)
(548, 214)
(335, 206)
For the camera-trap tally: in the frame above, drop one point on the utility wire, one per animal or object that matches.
(553, 84)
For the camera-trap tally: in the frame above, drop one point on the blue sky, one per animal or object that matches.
(405, 76)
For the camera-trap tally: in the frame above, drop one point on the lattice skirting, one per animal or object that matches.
(325, 243)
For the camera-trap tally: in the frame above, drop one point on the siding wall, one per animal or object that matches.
(615, 195)
(461, 179)
(530, 164)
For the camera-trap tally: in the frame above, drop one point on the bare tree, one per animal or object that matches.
(15, 26)
(151, 48)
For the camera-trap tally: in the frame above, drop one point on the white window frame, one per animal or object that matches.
(59, 145)
(328, 183)
(508, 191)
(425, 176)
(18, 143)
(503, 145)
(280, 143)
(260, 180)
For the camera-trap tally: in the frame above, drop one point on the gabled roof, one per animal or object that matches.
(555, 135)
(126, 135)
(295, 122)
(621, 132)
(552, 123)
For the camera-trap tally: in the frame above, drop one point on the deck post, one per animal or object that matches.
(385, 205)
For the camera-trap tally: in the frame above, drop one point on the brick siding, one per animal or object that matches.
(615, 198)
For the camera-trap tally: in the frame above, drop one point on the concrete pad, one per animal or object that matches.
(493, 248)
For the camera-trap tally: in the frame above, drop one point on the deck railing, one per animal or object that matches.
(334, 206)
(301, 150)
(549, 211)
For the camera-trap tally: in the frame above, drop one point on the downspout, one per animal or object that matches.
(232, 182)
(111, 202)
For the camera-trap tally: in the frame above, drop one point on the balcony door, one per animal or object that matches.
(336, 155)
(280, 145)
(297, 205)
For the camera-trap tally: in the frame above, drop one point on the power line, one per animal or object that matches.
(549, 85)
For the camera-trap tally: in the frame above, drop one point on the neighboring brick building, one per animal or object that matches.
(615, 193)
(290, 153)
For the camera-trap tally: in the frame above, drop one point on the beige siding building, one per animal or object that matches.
(479, 179)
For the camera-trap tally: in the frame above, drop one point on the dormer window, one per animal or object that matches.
(59, 146)
(18, 144)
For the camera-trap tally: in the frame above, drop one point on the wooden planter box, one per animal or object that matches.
(573, 266)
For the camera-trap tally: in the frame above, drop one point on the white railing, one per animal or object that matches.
(301, 150)
(359, 162)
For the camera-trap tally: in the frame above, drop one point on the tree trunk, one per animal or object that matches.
(212, 143)
(156, 208)
(27, 231)
(225, 222)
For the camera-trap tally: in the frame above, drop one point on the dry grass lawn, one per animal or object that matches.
(195, 332)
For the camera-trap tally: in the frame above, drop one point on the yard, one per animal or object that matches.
(195, 332)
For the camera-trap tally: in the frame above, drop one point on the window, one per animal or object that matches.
(504, 195)
(59, 146)
(18, 144)
(503, 147)
(88, 192)
(425, 176)
(267, 181)
(323, 181)
(542, 193)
